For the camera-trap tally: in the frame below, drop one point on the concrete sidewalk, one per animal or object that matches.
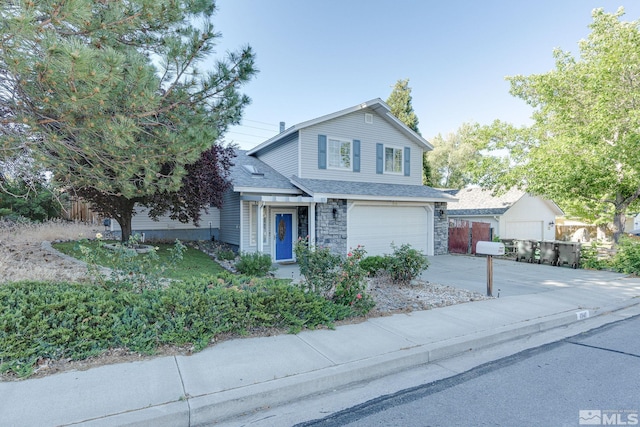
(240, 376)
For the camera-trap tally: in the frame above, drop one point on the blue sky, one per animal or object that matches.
(317, 57)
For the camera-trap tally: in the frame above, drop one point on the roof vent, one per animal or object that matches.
(281, 127)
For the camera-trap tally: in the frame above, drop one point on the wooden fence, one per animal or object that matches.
(463, 235)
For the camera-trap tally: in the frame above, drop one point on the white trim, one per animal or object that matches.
(267, 190)
(379, 198)
(284, 199)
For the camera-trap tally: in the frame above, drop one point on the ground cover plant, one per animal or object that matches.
(41, 321)
(48, 320)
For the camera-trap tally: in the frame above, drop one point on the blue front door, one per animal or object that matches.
(284, 236)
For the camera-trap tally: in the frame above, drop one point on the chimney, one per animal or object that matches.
(281, 127)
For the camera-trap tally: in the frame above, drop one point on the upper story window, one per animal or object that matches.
(393, 159)
(339, 153)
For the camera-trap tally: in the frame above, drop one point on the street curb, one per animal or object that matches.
(228, 404)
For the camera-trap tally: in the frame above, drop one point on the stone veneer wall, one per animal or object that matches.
(332, 233)
(440, 229)
(303, 221)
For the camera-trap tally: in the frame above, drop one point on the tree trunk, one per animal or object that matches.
(618, 224)
(124, 215)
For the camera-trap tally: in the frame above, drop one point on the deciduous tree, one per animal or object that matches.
(583, 145)
(453, 157)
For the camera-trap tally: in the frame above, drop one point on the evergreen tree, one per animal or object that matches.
(400, 103)
(110, 96)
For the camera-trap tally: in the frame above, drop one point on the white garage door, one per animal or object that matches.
(523, 230)
(376, 226)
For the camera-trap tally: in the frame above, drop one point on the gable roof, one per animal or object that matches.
(370, 191)
(377, 105)
(479, 201)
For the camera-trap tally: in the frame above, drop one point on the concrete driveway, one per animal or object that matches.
(512, 278)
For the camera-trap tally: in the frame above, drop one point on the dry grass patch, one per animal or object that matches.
(22, 257)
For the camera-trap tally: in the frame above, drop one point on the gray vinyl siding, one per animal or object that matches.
(168, 229)
(352, 126)
(230, 219)
(284, 156)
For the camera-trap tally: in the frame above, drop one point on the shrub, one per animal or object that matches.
(350, 289)
(406, 263)
(627, 257)
(255, 264)
(140, 271)
(226, 255)
(589, 257)
(373, 265)
(318, 266)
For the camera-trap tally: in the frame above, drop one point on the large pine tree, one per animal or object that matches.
(400, 103)
(112, 98)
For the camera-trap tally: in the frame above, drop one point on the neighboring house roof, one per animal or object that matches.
(249, 174)
(376, 105)
(370, 191)
(478, 202)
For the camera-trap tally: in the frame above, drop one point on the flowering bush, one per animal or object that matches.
(318, 266)
(336, 278)
(351, 285)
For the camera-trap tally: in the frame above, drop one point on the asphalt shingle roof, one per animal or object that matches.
(350, 188)
(268, 178)
(478, 201)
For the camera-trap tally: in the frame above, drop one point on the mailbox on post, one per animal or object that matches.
(490, 249)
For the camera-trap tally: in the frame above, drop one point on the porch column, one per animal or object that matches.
(260, 228)
(312, 224)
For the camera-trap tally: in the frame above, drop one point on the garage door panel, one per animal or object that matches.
(376, 227)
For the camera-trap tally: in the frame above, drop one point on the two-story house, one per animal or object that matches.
(349, 178)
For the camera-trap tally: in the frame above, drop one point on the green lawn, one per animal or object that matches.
(194, 263)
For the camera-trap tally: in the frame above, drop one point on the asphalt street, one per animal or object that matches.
(589, 379)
